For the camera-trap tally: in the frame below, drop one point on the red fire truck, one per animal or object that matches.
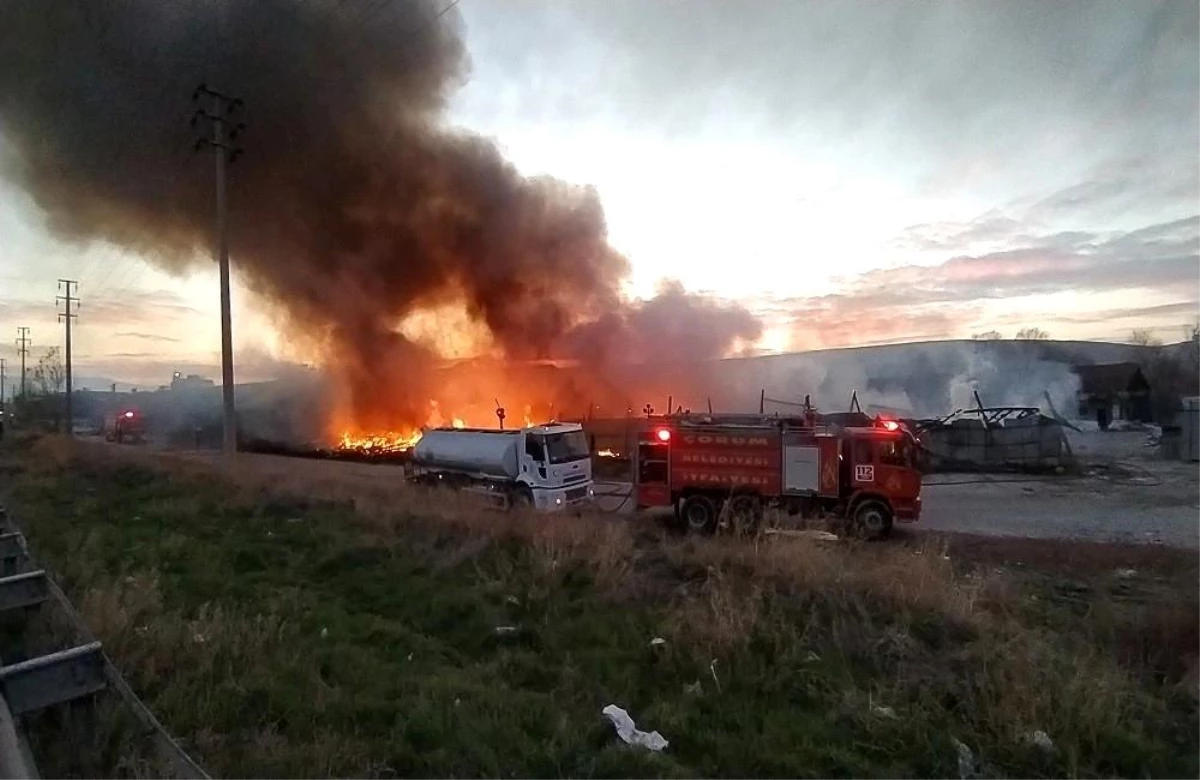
(713, 468)
(124, 426)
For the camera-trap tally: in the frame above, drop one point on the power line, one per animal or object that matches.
(22, 350)
(65, 317)
(219, 115)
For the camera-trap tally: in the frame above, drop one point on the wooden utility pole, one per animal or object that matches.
(222, 109)
(23, 351)
(65, 317)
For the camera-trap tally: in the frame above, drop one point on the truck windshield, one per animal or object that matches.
(567, 447)
(896, 452)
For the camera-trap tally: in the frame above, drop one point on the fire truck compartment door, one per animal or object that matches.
(801, 469)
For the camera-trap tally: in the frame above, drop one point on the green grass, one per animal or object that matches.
(283, 632)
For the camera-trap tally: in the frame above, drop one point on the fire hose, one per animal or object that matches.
(614, 510)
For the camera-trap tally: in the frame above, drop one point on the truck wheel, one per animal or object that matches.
(699, 514)
(745, 514)
(521, 498)
(872, 519)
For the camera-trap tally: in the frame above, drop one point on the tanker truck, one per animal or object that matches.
(546, 467)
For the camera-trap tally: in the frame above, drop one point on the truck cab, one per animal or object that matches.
(879, 464)
(556, 464)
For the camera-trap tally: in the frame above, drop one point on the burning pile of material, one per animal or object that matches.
(384, 240)
(386, 442)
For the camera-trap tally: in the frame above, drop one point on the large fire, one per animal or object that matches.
(471, 393)
(389, 441)
(386, 442)
(352, 438)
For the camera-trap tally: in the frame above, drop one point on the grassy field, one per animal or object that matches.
(281, 624)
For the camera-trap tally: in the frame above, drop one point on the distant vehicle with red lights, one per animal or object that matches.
(712, 467)
(124, 427)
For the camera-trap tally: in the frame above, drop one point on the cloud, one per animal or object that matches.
(138, 307)
(1066, 126)
(1138, 184)
(146, 337)
(943, 236)
(1180, 312)
(866, 319)
(154, 308)
(997, 87)
(936, 301)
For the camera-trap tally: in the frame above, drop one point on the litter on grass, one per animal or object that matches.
(628, 731)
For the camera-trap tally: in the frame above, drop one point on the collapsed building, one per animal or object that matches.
(1008, 438)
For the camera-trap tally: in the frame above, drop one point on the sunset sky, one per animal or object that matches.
(853, 173)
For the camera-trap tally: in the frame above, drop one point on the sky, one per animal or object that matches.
(852, 172)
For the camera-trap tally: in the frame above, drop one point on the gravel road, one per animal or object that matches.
(1128, 495)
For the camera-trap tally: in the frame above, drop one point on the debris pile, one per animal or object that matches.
(1008, 438)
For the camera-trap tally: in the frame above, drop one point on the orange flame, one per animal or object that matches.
(469, 395)
(379, 442)
(401, 441)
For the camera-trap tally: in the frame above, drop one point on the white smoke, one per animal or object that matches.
(1015, 380)
(921, 380)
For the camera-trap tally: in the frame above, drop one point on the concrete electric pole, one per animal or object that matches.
(219, 115)
(66, 317)
(23, 351)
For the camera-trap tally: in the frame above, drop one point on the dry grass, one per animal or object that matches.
(780, 654)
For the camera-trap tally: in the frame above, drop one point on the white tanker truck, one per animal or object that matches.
(547, 467)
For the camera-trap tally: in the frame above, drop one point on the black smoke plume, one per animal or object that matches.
(354, 203)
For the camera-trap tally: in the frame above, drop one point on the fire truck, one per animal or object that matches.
(730, 468)
(124, 426)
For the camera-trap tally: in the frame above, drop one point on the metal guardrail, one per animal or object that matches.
(55, 678)
(16, 759)
(23, 590)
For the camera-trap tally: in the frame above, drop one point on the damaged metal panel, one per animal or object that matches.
(994, 439)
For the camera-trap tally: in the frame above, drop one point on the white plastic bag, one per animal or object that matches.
(627, 730)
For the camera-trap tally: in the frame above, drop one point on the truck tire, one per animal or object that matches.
(872, 519)
(521, 498)
(745, 515)
(699, 514)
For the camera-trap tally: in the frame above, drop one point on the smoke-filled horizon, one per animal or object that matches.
(354, 204)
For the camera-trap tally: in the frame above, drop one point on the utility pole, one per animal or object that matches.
(22, 350)
(66, 317)
(222, 108)
(3, 363)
